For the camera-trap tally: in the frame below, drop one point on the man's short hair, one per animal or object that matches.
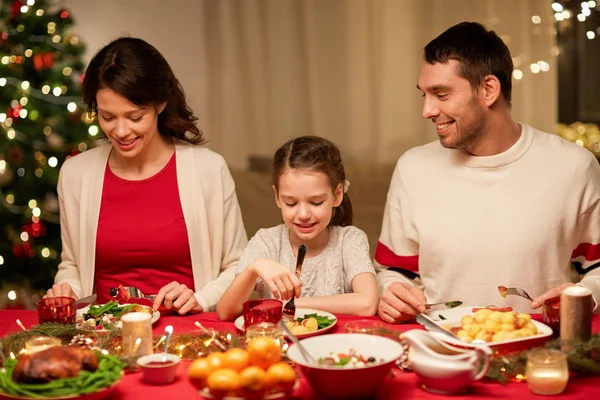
(480, 53)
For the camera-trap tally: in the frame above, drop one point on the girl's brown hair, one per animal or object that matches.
(137, 71)
(316, 154)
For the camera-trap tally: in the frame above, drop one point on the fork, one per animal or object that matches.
(513, 291)
(133, 293)
(289, 310)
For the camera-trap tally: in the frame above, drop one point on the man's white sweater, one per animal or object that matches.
(528, 217)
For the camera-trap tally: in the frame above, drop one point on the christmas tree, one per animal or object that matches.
(42, 123)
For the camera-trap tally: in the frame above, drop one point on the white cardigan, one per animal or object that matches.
(210, 208)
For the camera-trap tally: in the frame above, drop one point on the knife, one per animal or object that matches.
(86, 301)
(447, 304)
(432, 326)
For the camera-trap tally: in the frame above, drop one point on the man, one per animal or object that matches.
(493, 202)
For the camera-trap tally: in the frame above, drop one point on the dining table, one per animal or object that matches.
(398, 385)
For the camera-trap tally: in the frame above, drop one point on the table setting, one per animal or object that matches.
(265, 354)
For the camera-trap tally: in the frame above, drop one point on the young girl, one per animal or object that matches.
(337, 275)
(150, 209)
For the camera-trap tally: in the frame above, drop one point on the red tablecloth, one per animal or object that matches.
(402, 386)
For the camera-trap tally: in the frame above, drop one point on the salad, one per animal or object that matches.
(347, 360)
(108, 316)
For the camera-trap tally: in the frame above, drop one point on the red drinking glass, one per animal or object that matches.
(263, 310)
(551, 314)
(56, 309)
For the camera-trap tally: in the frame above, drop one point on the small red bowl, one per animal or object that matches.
(157, 372)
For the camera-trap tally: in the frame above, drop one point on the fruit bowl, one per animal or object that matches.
(334, 382)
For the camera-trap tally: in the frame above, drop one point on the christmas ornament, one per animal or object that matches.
(43, 60)
(16, 10)
(14, 155)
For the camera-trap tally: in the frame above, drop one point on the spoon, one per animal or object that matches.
(513, 291)
(168, 332)
(305, 353)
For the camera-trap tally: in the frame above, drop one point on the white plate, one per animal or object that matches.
(453, 319)
(300, 313)
(81, 311)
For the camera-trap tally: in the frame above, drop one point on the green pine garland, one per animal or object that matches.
(583, 358)
(188, 345)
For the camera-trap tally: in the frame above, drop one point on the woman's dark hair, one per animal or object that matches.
(313, 153)
(480, 52)
(137, 71)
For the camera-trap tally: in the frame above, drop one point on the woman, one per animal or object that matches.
(151, 209)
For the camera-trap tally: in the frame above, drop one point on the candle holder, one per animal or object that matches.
(547, 371)
(40, 343)
(56, 309)
(263, 310)
(137, 334)
(266, 329)
(576, 305)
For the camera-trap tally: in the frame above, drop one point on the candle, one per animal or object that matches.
(40, 343)
(547, 371)
(576, 305)
(137, 334)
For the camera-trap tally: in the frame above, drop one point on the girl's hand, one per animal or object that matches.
(178, 297)
(283, 282)
(61, 289)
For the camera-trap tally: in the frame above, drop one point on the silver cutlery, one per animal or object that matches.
(289, 310)
(514, 291)
(86, 301)
(133, 293)
(447, 304)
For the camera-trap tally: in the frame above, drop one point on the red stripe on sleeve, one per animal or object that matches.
(591, 252)
(385, 256)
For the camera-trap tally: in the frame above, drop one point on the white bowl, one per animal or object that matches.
(333, 382)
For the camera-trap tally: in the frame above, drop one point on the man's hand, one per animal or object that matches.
(401, 302)
(178, 297)
(61, 289)
(554, 292)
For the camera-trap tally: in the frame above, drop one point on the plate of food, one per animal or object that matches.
(500, 328)
(60, 372)
(308, 322)
(103, 317)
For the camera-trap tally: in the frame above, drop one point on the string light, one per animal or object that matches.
(41, 94)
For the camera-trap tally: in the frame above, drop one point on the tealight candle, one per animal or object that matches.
(265, 329)
(40, 343)
(137, 334)
(547, 371)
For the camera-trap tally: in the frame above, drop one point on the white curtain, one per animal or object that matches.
(258, 72)
(347, 69)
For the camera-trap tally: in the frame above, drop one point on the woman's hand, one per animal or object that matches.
(283, 282)
(178, 297)
(60, 290)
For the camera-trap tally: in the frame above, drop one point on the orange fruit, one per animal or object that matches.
(281, 376)
(237, 359)
(264, 352)
(224, 380)
(216, 360)
(253, 378)
(199, 370)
